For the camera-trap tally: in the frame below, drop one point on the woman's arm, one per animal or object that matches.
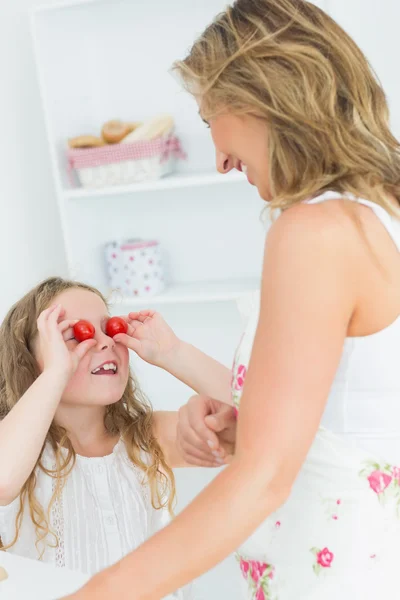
(307, 301)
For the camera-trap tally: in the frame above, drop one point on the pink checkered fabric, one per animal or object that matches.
(81, 158)
(132, 245)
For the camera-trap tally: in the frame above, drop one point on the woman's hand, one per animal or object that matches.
(206, 431)
(149, 336)
(54, 336)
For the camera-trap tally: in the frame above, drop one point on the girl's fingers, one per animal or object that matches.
(42, 319)
(68, 324)
(128, 341)
(52, 319)
(131, 330)
(134, 324)
(84, 347)
(142, 315)
(61, 314)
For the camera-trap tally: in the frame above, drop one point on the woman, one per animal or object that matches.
(291, 99)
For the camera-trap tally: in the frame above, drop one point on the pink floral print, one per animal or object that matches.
(323, 559)
(396, 474)
(333, 508)
(379, 481)
(384, 481)
(259, 576)
(239, 371)
(260, 594)
(244, 567)
(240, 377)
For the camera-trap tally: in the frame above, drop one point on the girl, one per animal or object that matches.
(314, 482)
(85, 465)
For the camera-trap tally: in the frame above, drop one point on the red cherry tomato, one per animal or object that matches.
(83, 330)
(116, 325)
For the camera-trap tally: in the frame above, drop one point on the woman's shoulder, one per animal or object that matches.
(328, 226)
(310, 250)
(318, 217)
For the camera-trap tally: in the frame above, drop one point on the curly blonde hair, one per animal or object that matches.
(291, 65)
(131, 416)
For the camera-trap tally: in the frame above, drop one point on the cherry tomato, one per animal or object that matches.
(116, 325)
(83, 330)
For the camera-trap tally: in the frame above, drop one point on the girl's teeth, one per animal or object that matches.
(106, 367)
(244, 169)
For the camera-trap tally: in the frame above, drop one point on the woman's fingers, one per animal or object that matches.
(195, 450)
(197, 409)
(194, 456)
(189, 434)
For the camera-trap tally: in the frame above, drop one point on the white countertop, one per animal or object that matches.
(33, 580)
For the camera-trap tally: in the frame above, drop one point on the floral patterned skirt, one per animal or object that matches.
(337, 536)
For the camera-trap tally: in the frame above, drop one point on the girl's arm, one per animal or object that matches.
(155, 342)
(24, 429)
(203, 374)
(307, 300)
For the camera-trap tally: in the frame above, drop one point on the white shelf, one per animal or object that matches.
(166, 183)
(62, 4)
(190, 293)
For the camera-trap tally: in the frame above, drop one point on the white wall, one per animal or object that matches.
(30, 238)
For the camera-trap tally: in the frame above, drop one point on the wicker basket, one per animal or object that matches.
(120, 164)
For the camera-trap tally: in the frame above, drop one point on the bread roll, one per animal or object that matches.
(151, 129)
(86, 141)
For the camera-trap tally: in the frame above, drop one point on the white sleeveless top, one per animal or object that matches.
(104, 513)
(364, 402)
(338, 534)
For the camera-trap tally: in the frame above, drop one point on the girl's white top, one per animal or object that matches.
(104, 513)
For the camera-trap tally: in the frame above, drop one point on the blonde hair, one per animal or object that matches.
(131, 416)
(291, 65)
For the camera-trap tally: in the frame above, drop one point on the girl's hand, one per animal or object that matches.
(149, 336)
(55, 336)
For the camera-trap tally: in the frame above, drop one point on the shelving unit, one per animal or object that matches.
(193, 293)
(170, 182)
(206, 222)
